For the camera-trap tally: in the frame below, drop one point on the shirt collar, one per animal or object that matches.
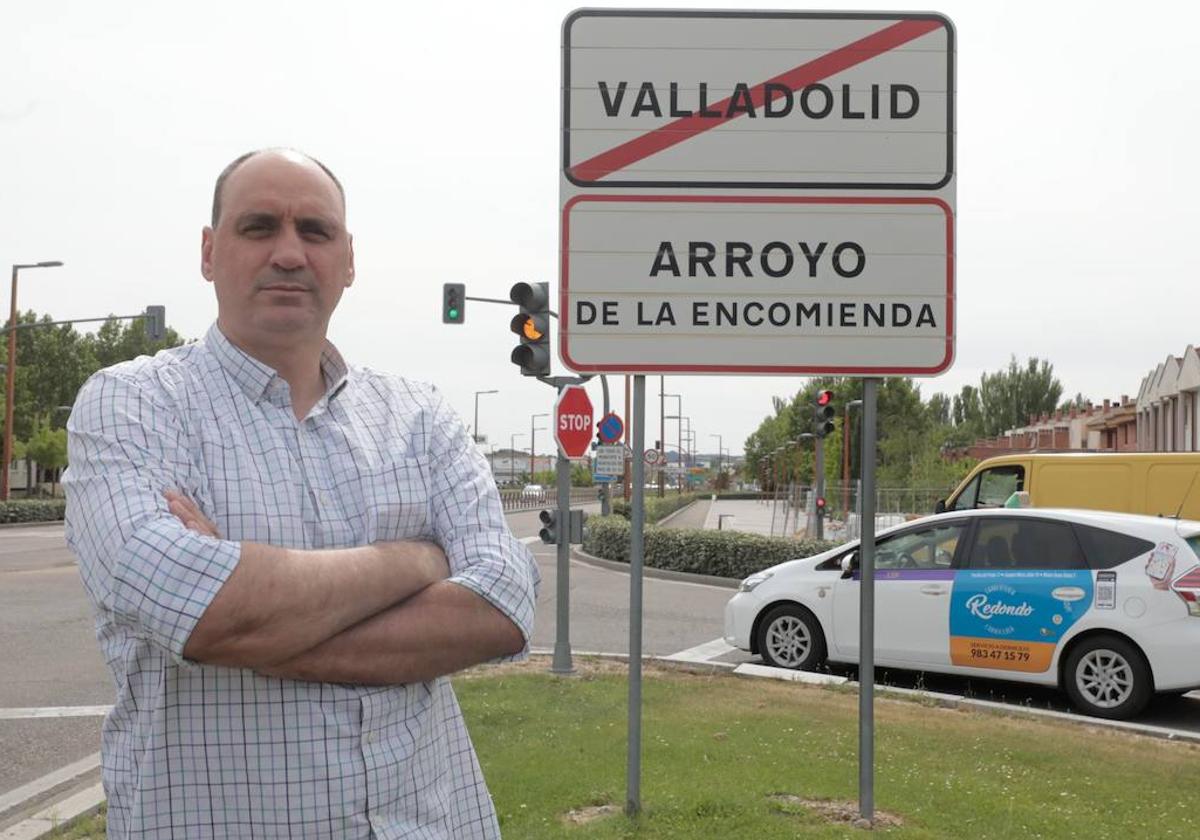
(257, 380)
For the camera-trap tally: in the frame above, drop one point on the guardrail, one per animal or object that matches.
(513, 500)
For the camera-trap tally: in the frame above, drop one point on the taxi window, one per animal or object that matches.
(1025, 544)
(1106, 549)
(928, 548)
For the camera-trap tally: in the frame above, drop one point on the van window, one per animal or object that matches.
(1025, 544)
(1106, 549)
(991, 488)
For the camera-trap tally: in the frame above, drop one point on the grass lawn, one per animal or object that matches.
(729, 758)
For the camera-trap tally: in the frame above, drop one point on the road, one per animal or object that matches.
(50, 659)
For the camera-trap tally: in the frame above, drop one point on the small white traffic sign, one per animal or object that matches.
(610, 459)
(653, 457)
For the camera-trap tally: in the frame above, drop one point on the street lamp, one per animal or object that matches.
(476, 426)
(720, 452)
(10, 373)
(512, 456)
(532, 439)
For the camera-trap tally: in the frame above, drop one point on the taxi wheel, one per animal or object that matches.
(789, 636)
(1108, 677)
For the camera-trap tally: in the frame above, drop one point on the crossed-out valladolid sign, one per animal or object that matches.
(757, 192)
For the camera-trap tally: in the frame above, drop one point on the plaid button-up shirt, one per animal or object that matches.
(196, 751)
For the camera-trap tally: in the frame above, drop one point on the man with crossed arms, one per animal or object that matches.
(286, 555)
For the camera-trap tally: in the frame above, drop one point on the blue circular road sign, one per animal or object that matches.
(611, 428)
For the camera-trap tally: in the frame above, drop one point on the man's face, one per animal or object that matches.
(280, 255)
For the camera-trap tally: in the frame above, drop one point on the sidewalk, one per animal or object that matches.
(774, 519)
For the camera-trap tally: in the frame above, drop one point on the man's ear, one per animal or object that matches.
(206, 249)
(350, 270)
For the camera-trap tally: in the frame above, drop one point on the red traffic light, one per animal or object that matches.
(824, 397)
(820, 502)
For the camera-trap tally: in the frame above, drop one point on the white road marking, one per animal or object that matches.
(54, 712)
(702, 653)
(54, 815)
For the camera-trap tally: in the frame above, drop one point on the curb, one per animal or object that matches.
(38, 524)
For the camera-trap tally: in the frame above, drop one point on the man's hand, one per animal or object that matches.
(189, 514)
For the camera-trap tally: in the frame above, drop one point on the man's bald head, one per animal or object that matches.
(237, 162)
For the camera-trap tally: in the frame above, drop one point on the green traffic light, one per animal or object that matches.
(453, 313)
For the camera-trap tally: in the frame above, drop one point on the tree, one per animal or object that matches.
(48, 447)
(1078, 402)
(939, 409)
(1008, 398)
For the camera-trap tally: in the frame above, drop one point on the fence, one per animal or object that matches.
(794, 507)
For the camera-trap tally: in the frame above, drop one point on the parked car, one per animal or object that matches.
(533, 491)
(1105, 606)
(1153, 483)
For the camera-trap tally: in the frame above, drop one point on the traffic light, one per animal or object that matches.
(823, 412)
(155, 322)
(820, 507)
(454, 302)
(549, 532)
(532, 324)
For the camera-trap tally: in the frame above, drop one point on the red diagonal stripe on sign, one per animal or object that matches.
(672, 133)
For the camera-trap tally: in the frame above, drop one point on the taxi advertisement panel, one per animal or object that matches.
(1012, 620)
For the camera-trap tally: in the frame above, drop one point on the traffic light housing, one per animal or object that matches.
(823, 414)
(155, 322)
(454, 302)
(549, 531)
(532, 324)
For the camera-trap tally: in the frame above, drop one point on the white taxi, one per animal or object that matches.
(1104, 605)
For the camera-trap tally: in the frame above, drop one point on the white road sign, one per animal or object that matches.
(802, 212)
(757, 99)
(757, 285)
(610, 459)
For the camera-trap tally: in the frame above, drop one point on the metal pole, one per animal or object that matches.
(532, 449)
(9, 389)
(662, 431)
(562, 621)
(606, 489)
(633, 796)
(866, 617)
(629, 431)
(819, 484)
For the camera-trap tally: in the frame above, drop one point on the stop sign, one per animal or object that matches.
(573, 421)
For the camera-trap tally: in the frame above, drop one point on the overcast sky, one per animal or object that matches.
(1076, 165)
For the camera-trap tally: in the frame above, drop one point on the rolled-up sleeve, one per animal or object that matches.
(469, 525)
(139, 564)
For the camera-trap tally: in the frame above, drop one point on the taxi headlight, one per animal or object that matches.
(754, 580)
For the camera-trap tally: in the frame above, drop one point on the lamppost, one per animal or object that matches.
(512, 456)
(11, 372)
(720, 453)
(532, 438)
(678, 438)
(476, 426)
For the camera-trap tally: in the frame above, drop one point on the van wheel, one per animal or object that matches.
(790, 637)
(1107, 677)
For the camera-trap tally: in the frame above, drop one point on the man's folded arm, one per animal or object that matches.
(197, 596)
(484, 611)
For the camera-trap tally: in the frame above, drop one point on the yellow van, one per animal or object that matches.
(1153, 483)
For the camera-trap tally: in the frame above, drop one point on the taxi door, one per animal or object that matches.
(914, 577)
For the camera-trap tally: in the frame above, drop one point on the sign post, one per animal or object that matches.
(747, 192)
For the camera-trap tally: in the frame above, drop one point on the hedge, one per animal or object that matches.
(33, 510)
(728, 554)
(657, 507)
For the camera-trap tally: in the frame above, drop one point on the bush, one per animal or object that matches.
(657, 507)
(33, 510)
(728, 554)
